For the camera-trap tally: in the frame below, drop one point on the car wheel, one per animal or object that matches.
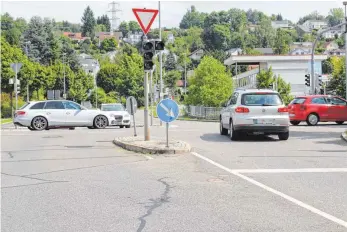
(90, 127)
(100, 122)
(283, 136)
(121, 126)
(128, 126)
(39, 123)
(222, 130)
(340, 122)
(312, 119)
(234, 135)
(295, 123)
(71, 128)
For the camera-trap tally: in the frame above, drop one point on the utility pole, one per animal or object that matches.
(185, 75)
(147, 137)
(27, 54)
(151, 93)
(114, 17)
(64, 95)
(345, 4)
(161, 62)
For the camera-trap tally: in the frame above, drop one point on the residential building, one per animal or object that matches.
(134, 38)
(302, 30)
(233, 52)
(107, 35)
(300, 51)
(328, 46)
(89, 64)
(315, 24)
(75, 36)
(197, 54)
(280, 24)
(331, 34)
(265, 51)
(170, 38)
(336, 52)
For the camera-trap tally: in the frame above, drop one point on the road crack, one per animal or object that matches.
(155, 203)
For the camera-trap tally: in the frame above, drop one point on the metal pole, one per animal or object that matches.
(151, 94)
(26, 51)
(167, 134)
(132, 112)
(147, 136)
(64, 75)
(161, 62)
(15, 88)
(185, 75)
(345, 46)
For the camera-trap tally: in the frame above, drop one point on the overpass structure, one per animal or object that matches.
(292, 68)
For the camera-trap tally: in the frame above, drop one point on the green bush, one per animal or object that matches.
(6, 104)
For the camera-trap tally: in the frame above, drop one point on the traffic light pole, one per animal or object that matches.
(146, 126)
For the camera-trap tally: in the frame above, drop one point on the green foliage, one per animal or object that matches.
(284, 90)
(102, 97)
(192, 18)
(170, 62)
(312, 16)
(79, 86)
(171, 78)
(337, 84)
(282, 41)
(6, 109)
(109, 44)
(105, 21)
(335, 16)
(124, 28)
(88, 22)
(211, 84)
(265, 78)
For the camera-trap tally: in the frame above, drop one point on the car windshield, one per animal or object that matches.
(112, 108)
(261, 99)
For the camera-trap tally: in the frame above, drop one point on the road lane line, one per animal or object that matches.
(269, 189)
(300, 170)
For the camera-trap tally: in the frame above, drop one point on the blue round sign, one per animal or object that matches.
(167, 110)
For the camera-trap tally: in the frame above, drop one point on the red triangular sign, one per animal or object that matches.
(145, 17)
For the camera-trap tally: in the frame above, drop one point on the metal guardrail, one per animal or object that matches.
(202, 112)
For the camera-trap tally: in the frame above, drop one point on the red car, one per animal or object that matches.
(317, 108)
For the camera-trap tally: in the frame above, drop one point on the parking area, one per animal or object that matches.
(77, 180)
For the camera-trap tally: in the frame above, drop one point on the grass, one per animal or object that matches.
(6, 120)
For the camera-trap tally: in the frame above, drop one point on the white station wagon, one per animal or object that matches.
(44, 115)
(255, 111)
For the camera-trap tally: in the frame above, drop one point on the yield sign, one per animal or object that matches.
(145, 17)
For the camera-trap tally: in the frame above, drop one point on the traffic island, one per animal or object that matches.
(344, 135)
(156, 146)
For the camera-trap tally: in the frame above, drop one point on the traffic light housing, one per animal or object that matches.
(148, 48)
(148, 53)
(307, 80)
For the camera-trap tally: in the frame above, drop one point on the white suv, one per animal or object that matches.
(255, 111)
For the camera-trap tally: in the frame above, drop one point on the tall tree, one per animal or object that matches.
(124, 28)
(192, 19)
(104, 20)
(170, 62)
(211, 84)
(134, 26)
(88, 22)
(282, 41)
(336, 16)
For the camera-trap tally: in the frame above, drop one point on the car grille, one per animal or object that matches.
(118, 118)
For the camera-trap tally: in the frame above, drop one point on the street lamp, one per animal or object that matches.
(345, 4)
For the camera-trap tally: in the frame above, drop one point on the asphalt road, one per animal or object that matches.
(77, 180)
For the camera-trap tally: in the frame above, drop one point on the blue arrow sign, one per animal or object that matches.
(167, 110)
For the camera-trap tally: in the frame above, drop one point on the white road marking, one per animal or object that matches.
(148, 157)
(267, 188)
(300, 170)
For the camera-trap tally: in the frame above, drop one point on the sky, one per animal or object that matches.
(171, 11)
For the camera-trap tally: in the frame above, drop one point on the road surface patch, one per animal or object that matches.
(344, 136)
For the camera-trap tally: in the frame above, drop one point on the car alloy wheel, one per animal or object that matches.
(39, 123)
(312, 119)
(100, 122)
(222, 130)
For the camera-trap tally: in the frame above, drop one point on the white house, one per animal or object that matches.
(133, 38)
(280, 24)
(331, 34)
(315, 24)
(233, 52)
(197, 54)
(170, 38)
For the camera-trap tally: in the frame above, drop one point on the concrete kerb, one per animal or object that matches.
(154, 147)
(344, 135)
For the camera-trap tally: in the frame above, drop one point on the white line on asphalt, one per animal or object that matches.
(148, 157)
(300, 170)
(289, 198)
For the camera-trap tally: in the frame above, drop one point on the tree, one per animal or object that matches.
(336, 16)
(104, 20)
(265, 78)
(337, 84)
(109, 44)
(171, 78)
(88, 23)
(192, 19)
(79, 86)
(282, 41)
(211, 84)
(170, 62)
(284, 90)
(102, 97)
(217, 37)
(134, 26)
(279, 17)
(124, 28)
(312, 16)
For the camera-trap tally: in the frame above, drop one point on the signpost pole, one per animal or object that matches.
(133, 114)
(146, 127)
(15, 87)
(167, 134)
(161, 62)
(151, 93)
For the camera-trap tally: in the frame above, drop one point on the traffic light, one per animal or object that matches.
(18, 89)
(307, 80)
(159, 45)
(148, 53)
(320, 81)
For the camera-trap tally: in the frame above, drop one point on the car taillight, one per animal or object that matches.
(20, 112)
(283, 110)
(302, 107)
(242, 110)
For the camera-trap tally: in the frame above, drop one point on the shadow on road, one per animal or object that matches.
(314, 134)
(215, 137)
(332, 125)
(338, 141)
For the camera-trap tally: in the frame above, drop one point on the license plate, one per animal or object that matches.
(258, 133)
